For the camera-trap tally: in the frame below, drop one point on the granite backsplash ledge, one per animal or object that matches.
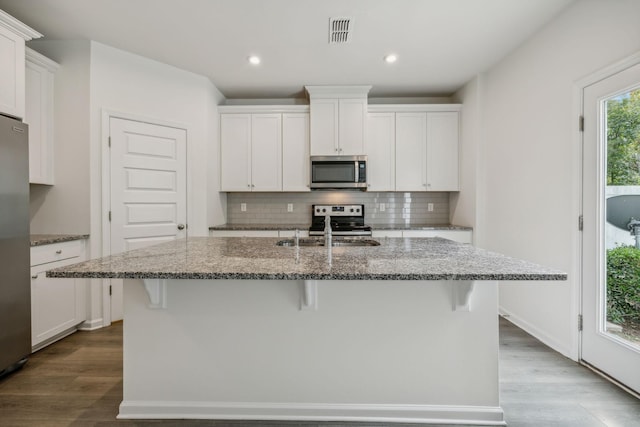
(399, 208)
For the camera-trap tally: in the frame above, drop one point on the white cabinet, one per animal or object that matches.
(58, 306)
(295, 152)
(243, 233)
(337, 126)
(251, 152)
(442, 151)
(39, 75)
(424, 154)
(460, 236)
(381, 156)
(13, 35)
(338, 119)
(258, 233)
(411, 151)
(266, 152)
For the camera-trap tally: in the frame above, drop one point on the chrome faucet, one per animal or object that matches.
(327, 231)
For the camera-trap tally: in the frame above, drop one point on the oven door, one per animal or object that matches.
(347, 172)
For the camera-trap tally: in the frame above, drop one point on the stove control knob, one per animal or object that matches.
(351, 209)
(323, 210)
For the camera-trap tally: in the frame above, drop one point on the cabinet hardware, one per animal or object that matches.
(34, 276)
(180, 226)
(59, 251)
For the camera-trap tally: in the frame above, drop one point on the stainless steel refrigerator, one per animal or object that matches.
(15, 284)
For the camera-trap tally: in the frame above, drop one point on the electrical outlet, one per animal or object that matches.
(430, 207)
(243, 207)
(289, 207)
(382, 207)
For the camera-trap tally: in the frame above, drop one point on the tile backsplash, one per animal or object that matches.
(399, 208)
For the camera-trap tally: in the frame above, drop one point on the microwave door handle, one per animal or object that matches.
(357, 171)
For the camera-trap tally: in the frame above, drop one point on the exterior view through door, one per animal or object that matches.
(611, 233)
(148, 189)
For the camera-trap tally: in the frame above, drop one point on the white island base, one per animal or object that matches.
(355, 350)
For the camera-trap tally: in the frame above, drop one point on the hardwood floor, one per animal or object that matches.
(78, 382)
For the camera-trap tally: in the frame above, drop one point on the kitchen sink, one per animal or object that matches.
(335, 242)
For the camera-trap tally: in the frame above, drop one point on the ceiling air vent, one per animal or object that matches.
(340, 30)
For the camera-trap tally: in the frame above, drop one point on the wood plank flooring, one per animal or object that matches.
(78, 382)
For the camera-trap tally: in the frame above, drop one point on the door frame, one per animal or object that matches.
(579, 87)
(105, 246)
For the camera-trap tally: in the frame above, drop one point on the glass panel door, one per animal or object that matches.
(611, 209)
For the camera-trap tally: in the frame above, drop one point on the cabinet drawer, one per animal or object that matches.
(461, 236)
(243, 233)
(56, 252)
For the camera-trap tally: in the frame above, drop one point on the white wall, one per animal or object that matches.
(129, 84)
(126, 83)
(64, 207)
(530, 201)
(463, 204)
(92, 78)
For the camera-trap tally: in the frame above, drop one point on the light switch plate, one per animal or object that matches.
(243, 207)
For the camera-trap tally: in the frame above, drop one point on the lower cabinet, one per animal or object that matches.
(58, 306)
(258, 233)
(460, 236)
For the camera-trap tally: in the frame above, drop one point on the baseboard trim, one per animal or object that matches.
(537, 333)
(429, 414)
(91, 325)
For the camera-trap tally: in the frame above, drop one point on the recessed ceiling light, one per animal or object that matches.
(390, 59)
(254, 60)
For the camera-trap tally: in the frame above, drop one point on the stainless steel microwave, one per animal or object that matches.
(339, 172)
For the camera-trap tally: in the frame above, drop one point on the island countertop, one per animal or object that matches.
(262, 259)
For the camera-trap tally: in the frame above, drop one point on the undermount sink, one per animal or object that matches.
(335, 242)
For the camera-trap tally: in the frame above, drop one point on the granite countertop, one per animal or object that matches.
(47, 239)
(261, 227)
(420, 227)
(260, 258)
(269, 227)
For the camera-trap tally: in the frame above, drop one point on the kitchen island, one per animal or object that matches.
(240, 328)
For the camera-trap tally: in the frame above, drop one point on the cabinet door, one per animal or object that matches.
(243, 233)
(295, 152)
(266, 152)
(460, 236)
(11, 73)
(54, 305)
(351, 126)
(235, 146)
(411, 155)
(39, 117)
(324, 127)
(442, 152)
(381, 157)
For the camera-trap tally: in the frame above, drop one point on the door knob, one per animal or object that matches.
(180, 226)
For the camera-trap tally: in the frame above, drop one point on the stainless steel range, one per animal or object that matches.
(346, 220)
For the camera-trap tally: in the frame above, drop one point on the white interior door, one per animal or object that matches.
(609, 342)
(148, 189)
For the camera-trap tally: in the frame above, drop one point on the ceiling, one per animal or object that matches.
(440, 44)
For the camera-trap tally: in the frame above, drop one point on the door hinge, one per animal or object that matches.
(109, 142)
(110, 290)
(580, 223)
(579, 322)
(581, 123)
(109, 216)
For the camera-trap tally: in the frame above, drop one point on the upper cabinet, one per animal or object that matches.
(13, 35)
(413, 147)
(40, 74)
(295, 152)
(264, 148)
(337, 119)
(251, 151)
